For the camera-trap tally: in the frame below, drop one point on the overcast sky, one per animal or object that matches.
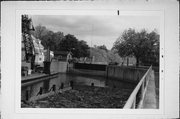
(96, 30)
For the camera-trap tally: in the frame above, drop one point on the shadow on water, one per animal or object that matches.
(97, 81)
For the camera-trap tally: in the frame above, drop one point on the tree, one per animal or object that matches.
(137, 44)
(83, 49)
(48, 40)
(40, 31)
(56, 41)
(58, 36)
(48, 37)
(68, 42)
(27, 27)
(152, 56)
(71, 43)
(103, 47)
(26, 24)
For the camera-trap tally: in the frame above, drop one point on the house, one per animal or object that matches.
(39, 51)
(62, 61)
(63, 55)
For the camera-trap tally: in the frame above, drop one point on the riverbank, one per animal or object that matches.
(82, 96)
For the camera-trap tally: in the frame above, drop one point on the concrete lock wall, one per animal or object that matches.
(31, 91)
(58, 82)
(125, 73)
(96, 67)
(87, 72)
(88, 69)
(58, 66)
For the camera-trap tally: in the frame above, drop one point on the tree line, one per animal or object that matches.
(142, 45)
(57, 41)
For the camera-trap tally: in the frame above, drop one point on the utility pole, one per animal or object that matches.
(91, 42)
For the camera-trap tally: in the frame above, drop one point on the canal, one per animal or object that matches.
(85, 92)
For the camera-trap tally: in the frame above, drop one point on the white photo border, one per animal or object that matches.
(11, 40)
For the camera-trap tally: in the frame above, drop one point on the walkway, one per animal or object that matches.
(150, 101)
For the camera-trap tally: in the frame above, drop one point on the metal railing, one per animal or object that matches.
(139, 89)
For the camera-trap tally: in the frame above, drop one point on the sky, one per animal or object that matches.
(94, 29)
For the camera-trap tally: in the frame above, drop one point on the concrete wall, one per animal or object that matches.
(87, 72)
(113, 72)
(122, 73)
(86, 66)
(125, 73)
(34, 88)
(58, 66)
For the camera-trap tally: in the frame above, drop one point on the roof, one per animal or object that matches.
(37, 42)
(63, 53)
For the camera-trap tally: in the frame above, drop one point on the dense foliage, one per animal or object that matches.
(105, 56)
(71, 43)
(57, 41)
(26, 35)
(103, 47)
(26, 24)
(142, 45)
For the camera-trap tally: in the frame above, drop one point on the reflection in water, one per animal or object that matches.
(92, 80)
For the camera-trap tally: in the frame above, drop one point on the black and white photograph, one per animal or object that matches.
(90, 61)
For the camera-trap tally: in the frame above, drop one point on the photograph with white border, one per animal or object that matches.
(76, 61)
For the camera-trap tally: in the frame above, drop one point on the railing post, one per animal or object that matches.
(146, 81)
(107, 72)
(131, 102)
(142, 89)
(134, 103)
(147, 78)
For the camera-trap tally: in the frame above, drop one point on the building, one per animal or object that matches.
(63, 55)
(39, 51)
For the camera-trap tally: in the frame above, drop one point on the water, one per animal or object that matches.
(90, 80)
(63, 81)
(84, 80)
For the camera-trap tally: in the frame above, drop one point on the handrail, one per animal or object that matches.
(131, 102)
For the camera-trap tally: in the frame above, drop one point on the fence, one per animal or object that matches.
(140, 89)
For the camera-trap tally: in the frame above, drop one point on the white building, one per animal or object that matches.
(39, 51)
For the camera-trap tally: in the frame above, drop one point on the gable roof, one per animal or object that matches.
(62, 53)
